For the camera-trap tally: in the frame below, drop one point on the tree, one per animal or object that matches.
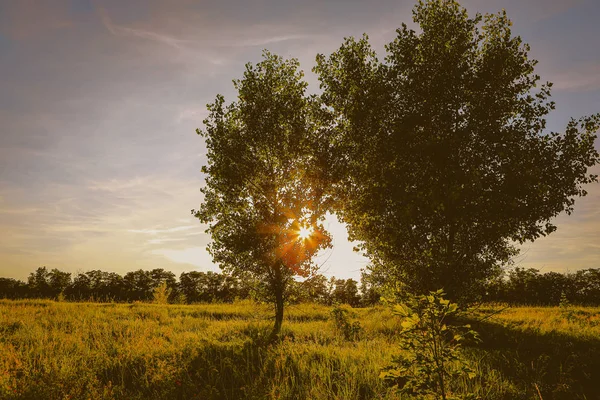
(12, 289)
(316, 289)
(139, 285)
(440, 160)
(38, 283)
(58, 282)
(371, 287)
(346, 292)
(259, 195)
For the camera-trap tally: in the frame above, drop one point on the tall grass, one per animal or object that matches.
(58, 350)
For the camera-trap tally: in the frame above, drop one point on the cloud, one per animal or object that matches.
(164, 240)
(196, 256)
(582, 77)
(168, 230)
(575, 243)
(99, 161)
(189, 51)
(140, 33)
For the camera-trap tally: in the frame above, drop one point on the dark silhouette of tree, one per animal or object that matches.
(13, 289)
(190, 284)
(518, 286)
(208, 287)
(98, 286)
(529, 287)
(58, 282)
(585, 287)
(259, 193)
(38, 283)
(138, 285)
(439, 157)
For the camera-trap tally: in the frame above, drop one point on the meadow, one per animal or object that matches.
(62, 350)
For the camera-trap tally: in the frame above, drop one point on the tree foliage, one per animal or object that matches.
(440, 159)
(259, 188)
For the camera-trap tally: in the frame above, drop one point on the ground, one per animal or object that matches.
(58, 350)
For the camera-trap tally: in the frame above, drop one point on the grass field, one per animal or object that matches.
(52, 350)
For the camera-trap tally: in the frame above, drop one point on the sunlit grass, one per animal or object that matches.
(53, 350)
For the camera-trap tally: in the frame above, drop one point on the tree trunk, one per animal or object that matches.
(278, 317)
(278, 289)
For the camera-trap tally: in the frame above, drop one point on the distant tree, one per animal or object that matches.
(79, 289)
(112, 288)
(58, 282)
(551, 286)
(585, 287)
(439, 157)
(98, 286)
(190, 285)
(346, 292)
(12, 289)
(138, 285)
(316, 289)
(213, 284)
(523, 286)
(160, 276)
(352, 296)
(38, 283)
(259, 193)
(371, 287)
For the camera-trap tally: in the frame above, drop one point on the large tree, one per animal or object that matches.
(260, 200)
(439, 155)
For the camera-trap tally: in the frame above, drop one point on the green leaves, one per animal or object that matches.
(441, 157)
(430, 355)
(259, 185)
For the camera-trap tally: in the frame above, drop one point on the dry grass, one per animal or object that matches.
(51, 350)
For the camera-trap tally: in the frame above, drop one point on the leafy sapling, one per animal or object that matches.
(430, 356)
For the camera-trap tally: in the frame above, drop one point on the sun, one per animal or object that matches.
(305, 232)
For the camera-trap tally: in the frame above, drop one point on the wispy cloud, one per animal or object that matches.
(582, 77)
(168, 230)
(99, 162)
(140, 33)
(164, 240)
(196, 256)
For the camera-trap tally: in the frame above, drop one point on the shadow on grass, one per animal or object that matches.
(560, 366)
(213, 370)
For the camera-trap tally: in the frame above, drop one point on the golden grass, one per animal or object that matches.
(52, 350)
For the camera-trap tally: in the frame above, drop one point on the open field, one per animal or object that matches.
(51, 350)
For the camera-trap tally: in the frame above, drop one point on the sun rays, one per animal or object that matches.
(305, 233)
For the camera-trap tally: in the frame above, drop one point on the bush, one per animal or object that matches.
(350, 330)
(431, 355)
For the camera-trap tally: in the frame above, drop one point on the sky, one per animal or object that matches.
(100, 100)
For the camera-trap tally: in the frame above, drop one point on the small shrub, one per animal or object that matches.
(161, 294)
(566, 309)
(431, 355)
(350, 330)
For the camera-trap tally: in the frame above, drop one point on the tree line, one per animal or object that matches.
(191, 287)
(518, 286)
(527, 286)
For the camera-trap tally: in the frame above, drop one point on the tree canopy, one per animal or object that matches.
(260, 195)
(439, 156)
